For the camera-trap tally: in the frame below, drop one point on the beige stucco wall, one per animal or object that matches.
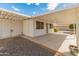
(29, 27)
(64, 17)
(38, 32)
(6, 25)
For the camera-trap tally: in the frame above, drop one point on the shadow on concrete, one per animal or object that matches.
(19, 46)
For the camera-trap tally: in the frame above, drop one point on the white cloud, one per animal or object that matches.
(16, 9)
(37, 4)
(32, 3)
(28, 3)
(51, 6)
(34, 12)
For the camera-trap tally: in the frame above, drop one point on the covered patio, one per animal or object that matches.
(37, 29)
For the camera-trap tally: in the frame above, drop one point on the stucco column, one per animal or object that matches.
(77, 24)
(77, 33)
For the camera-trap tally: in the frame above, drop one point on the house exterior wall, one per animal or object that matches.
(7, 25)
(29, 27)
(39, 32)
(64, 18)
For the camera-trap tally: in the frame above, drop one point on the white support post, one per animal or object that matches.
(77, 33)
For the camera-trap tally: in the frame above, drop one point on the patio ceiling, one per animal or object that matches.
(64, 17)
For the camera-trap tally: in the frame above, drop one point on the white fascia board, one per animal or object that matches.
(1, 9)
(53, 11)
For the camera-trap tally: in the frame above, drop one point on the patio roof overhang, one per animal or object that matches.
(51, 16)
(56, 17)
(6, 14)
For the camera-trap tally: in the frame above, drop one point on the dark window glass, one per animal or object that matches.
(51, 26)
(39, 25)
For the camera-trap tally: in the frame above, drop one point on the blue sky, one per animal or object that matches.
(33, 8)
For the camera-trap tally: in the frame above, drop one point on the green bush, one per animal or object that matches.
(72, 26)
(56, 30)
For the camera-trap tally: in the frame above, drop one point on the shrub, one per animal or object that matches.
(56, 30)
(72, 26)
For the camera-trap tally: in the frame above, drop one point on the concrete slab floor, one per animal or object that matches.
(56, 41)
(19, 46)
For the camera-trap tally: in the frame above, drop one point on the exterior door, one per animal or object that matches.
(47, 28)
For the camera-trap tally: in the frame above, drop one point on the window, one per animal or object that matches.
(39, 25)
(51, 26)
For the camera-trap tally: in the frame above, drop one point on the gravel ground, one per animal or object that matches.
(22, 47)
